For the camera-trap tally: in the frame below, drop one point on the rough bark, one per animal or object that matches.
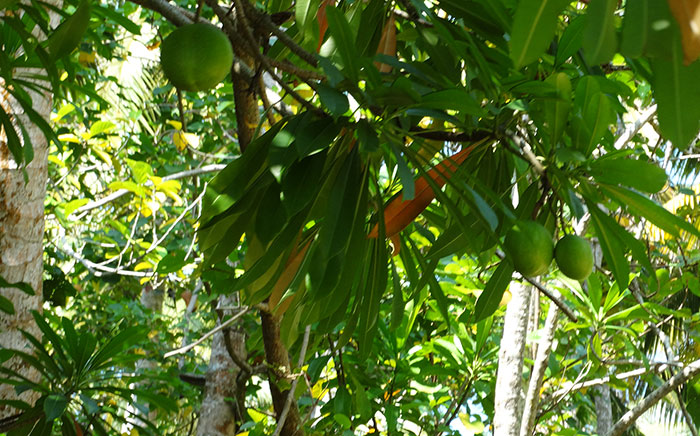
(537, 374)
(280, 374)
(218, 413)
(22, 230)
(509, 391)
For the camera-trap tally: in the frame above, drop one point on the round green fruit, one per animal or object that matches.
(196, 57)
(529, 246)
(574, 257)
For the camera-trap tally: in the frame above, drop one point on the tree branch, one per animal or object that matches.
(632, 415)
(211, 332)
(122, 192)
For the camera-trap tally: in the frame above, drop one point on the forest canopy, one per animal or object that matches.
(349, 217)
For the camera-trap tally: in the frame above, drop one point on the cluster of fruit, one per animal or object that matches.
(530, 248)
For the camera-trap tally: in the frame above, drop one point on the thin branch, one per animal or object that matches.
(549, 294)
(207, 335)
(175, 14)
(122, 192)
(290, 394)
(632, 415)
(98, 270)
(627, 135)
(653, 367)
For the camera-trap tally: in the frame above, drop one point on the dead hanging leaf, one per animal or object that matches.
(399, 213)
(387, 44)
(285, 279)
(322, 21)
(687, 13)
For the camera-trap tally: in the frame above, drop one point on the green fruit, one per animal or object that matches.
(196, 57)
(574, 257)
(529, 246)
(66, 37)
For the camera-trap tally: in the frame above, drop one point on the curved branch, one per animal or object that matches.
(632, 415)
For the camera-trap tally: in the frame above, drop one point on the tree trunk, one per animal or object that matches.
(220, 409)
(509, 390)
(537, 373)
(280, 371)
(22, 230)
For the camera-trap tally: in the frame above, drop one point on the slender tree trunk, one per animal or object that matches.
(280, 371)
(22, 231)
(220, 409)
(509, 383)
(537, 373)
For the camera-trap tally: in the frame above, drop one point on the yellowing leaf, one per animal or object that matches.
(142, 266)
(176, 124)
(69, 137)
(687, 13)
(182, 140)
(256, 416)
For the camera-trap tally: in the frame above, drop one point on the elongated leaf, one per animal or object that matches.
(600, 39)
(533, 29)
(677, 90)
(304, 13)
(635, 29)
(571, 40)
(489, 299)
(557, 111)
(6, 306)
(344, 40)
(613, 249)
(650, 210)
(637, 174)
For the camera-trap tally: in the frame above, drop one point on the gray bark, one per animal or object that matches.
(217, 415)
(509, 384)
(22, 230)
(537, 374)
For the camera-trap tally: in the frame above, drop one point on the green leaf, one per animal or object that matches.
(344, 40)
(54, 406)
(6, 306)
(489, 299)
(571, 40)
(336, 102)
(600, 39)
(305, 14)
(405, 175)
(613, 249)
(534, 25)
(635, 28)
(650, 210)
(24, 287)
(557, 111)
(677, 91)
(637, 174)
(141, 171)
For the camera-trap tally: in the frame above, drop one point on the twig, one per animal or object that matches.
(221, 326)
(632, 415)
(122, 192)
(290, 394)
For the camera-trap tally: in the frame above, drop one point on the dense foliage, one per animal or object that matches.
(354, 178)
